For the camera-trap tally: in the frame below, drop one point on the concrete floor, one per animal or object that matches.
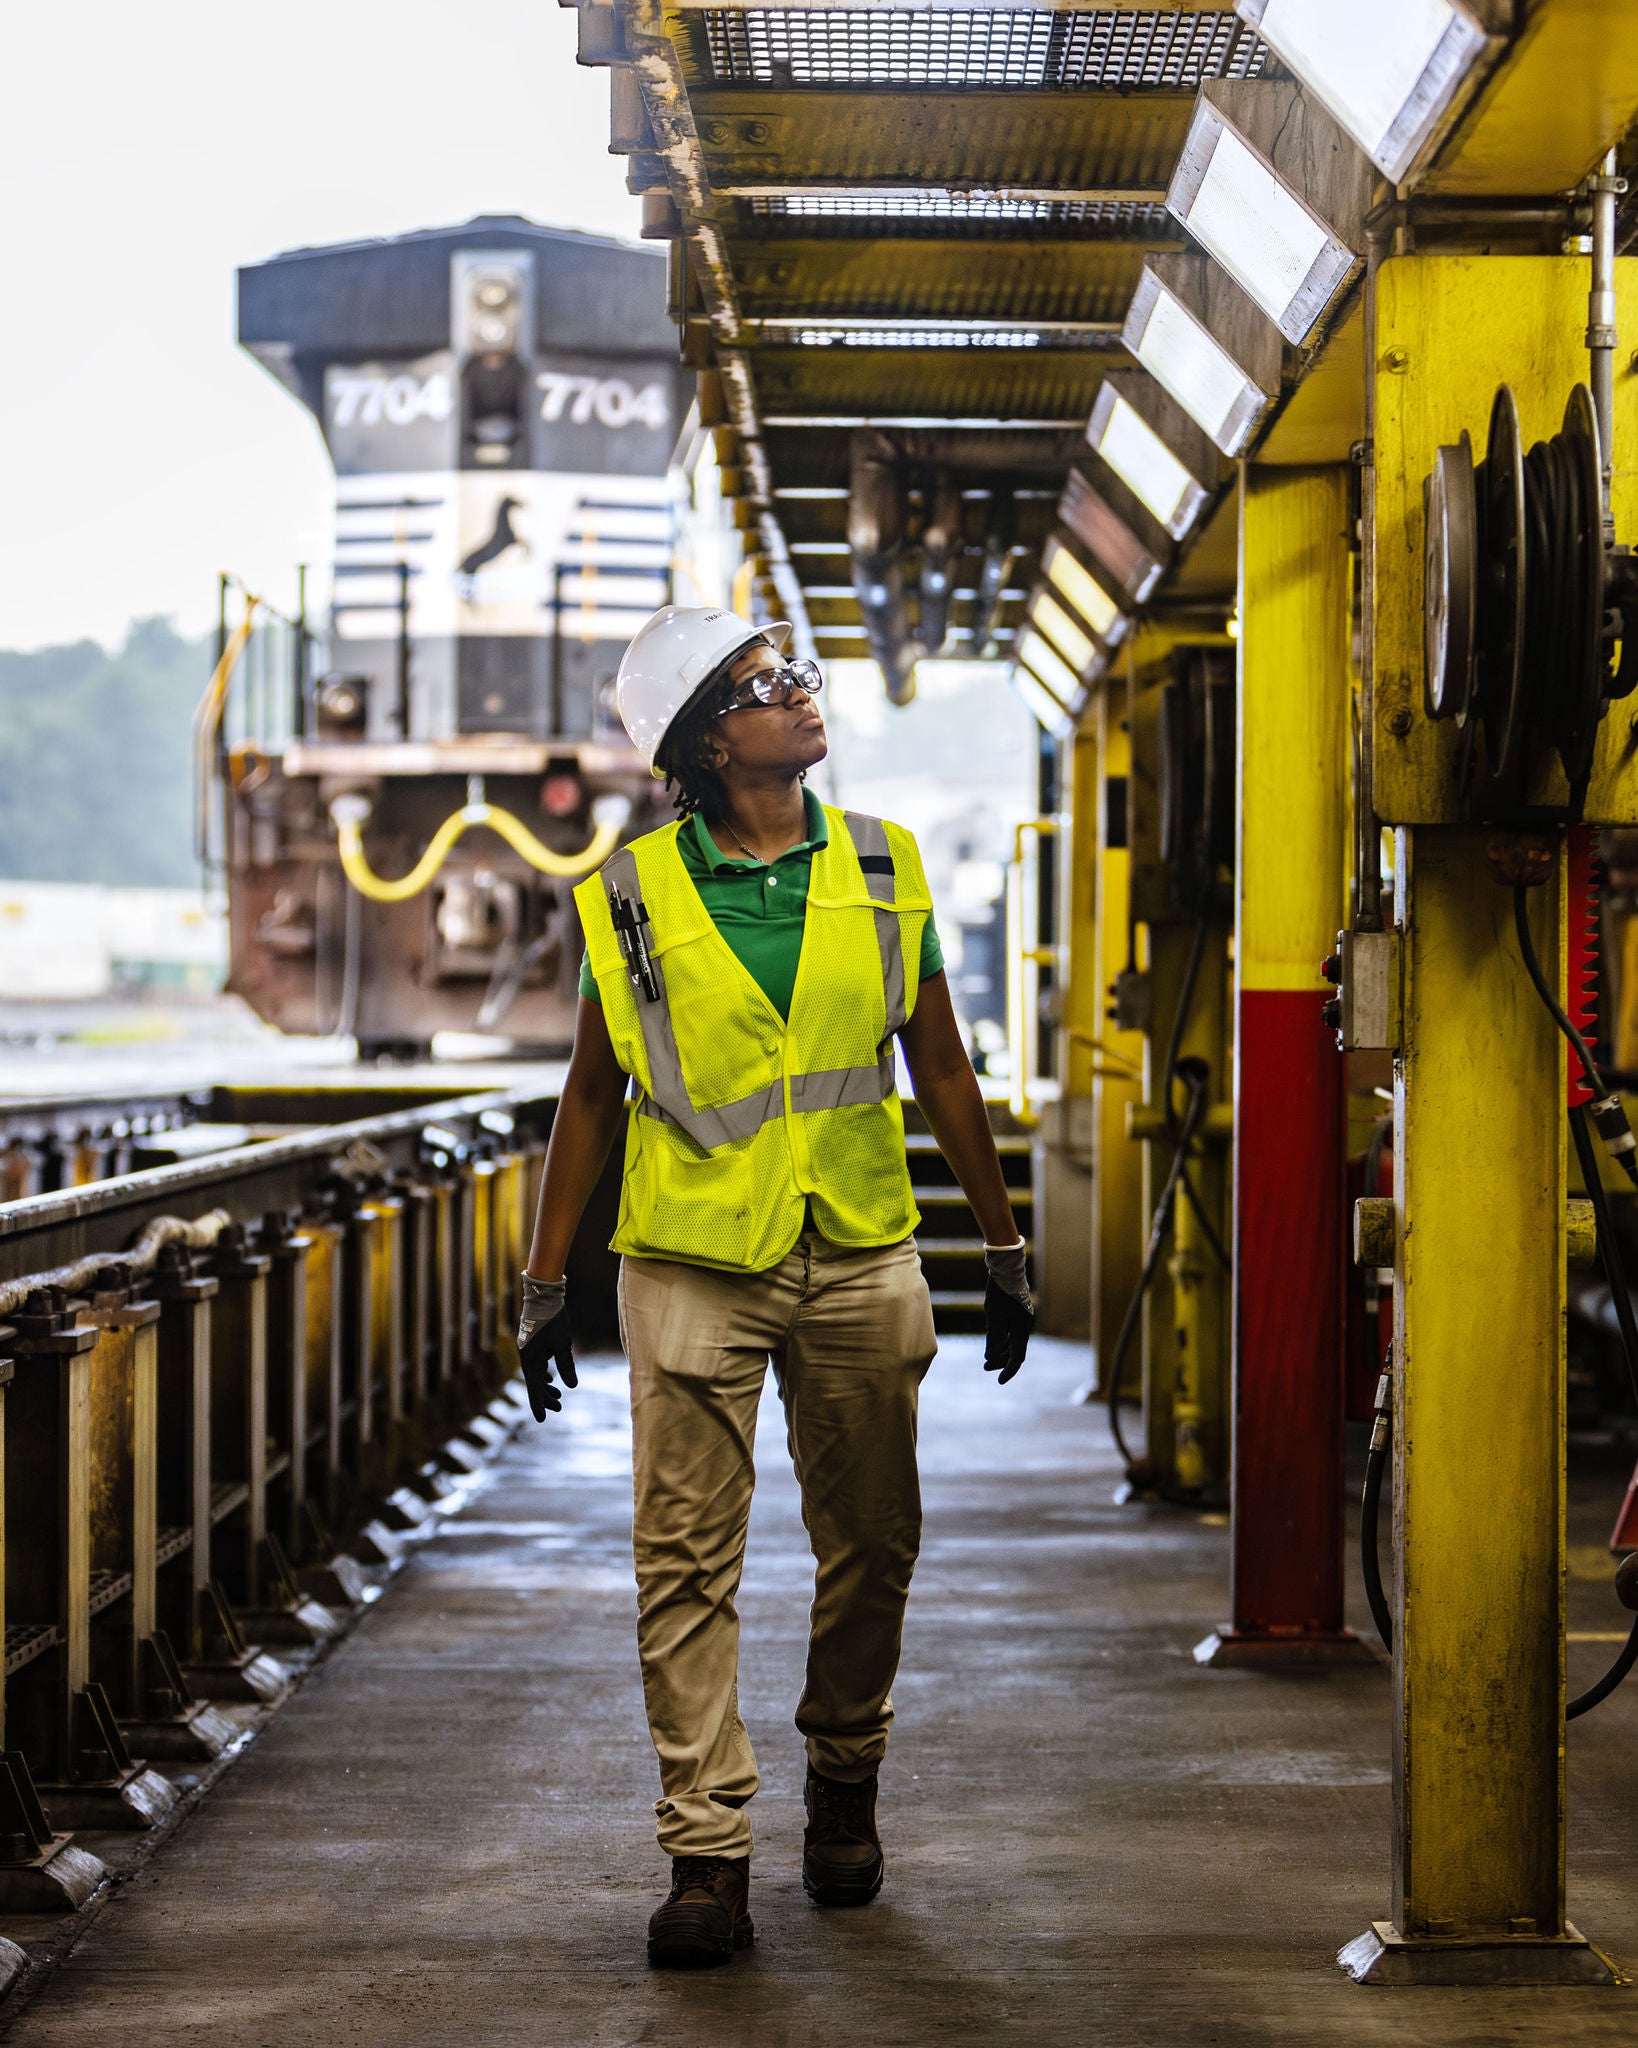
(444, 1842)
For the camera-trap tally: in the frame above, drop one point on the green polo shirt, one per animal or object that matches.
(760, 908)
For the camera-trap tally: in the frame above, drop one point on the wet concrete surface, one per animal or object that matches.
(444, 1841)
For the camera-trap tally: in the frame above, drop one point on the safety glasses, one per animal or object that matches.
(774, 686)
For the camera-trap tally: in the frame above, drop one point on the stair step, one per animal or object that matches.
(1021, 1198)
(956, 1301)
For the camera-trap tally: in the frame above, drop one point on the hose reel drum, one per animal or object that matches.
(1527, 606)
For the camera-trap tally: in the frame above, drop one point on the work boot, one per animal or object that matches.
(707, 1915)
(841, 1851)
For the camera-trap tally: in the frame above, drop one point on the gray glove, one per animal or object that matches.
(1009, 1309)
(544, 1339)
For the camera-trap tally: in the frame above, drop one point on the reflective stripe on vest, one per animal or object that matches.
(869, 836)
(668, 1099)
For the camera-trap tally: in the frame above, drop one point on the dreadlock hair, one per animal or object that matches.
(693, 784)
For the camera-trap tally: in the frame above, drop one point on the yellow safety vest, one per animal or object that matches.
(739, 1118)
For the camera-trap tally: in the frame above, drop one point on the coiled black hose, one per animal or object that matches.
(1561, 623)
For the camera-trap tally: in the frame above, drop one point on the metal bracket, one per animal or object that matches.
(1368, 1010)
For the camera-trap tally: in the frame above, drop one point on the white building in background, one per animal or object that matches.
(77, 941)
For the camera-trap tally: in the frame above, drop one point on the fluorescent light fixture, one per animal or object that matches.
(1049, 667)
(1143, 462)
(1084, 592)
(1048, 711)
(1387, 70)
(1102, 532)
(1274, 246)
(1180, 352)
(1050, 619)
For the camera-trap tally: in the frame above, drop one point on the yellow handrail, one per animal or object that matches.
(1021, 984)
(349, 815)
(207, 718)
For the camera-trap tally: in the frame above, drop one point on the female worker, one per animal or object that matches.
(747, 970)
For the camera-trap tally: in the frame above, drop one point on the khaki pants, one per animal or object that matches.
(850, 1334)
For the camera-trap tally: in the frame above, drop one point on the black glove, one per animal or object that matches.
(1009, 1309)
(544, 1340)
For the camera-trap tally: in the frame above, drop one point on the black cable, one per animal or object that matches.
(1609, 1251)
(1532, 967)
(1370, 1562)
(1370, 1509)
(1207, 1227)
(1174, 1045)
(1151, 1261)
(1180, 1018)
(1601, 1688)
(1181, 1135)
(1376, 1455)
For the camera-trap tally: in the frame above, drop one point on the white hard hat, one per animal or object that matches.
(670, 660)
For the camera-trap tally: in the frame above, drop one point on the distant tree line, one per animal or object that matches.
(94, 760)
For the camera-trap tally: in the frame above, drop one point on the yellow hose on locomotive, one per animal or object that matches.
(349, 813)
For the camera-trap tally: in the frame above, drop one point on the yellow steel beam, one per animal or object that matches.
(903, 276)
(1479, 1475)
(1210, 570)
(756, 143)
(1323, 419)
(1450, 329)
(1294, 689)
(1564, 94)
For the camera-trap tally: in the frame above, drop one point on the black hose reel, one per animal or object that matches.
(1530, 634)
(1528, 605)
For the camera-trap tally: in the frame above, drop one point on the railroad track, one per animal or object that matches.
(232, 1386)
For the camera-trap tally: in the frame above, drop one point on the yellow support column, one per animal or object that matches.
(1185, 1393)
(1290, 1172)
(1184, 915)
(1117, 1075)
(1479, 1188)
(1479, 1183)
(1479, 1771)
(1062, 1208)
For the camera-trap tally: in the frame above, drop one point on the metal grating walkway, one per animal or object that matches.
(944, 213)
(1102, 48)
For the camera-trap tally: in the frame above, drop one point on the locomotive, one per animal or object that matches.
(401, 829)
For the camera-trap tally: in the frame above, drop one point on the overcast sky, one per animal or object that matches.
(147, 152)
